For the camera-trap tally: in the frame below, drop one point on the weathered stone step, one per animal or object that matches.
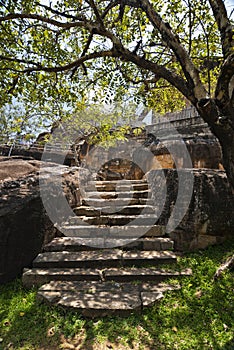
(142, 274)
(38, 276)
(113, 232)
(111, 210)
(118, 187)
(100, 304)
(73, 244)
(115, 220)
(118, 194)
(101, 286)
(124, 202)
(117, 182)
(102, 259)
(100, 299)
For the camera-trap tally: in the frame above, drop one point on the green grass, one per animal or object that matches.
(199, 316)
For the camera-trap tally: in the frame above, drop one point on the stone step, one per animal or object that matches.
(117, 194)
(114, 220)
(124, 202)
(107, 281)
(116, 182)
(38, 276)
(94, 302)
(118, 187)
(102, 259)
(73, 244)
(113, 232)
(142, 274)
(129, 210)
(101, 286)
(95, 299)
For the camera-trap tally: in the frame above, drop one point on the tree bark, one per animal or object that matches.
(228, 157)
(222, 126)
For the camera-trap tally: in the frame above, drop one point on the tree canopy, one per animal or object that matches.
(54, 52)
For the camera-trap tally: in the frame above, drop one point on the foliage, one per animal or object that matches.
(56, 53)
(102, 124)
(22, 123)
(199, 316)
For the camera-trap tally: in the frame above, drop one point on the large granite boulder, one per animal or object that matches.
(24, 224)
(208, 208)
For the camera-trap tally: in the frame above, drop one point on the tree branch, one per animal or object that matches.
(225, 76)
(93, 27)
(121, 10)
(110, 6)
(190, 71)
(226, 30)
(90, 38)
(11, 16)
(224, 24)
(78, 62)
(14, 83)
(117, 51)
(83, 54)
(160, 72)
(96, 11)
(59, 13)
(67, 67)
(191, 87)
(19, 60)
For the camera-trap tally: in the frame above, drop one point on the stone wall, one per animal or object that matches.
(203, 147)
(210, 215)
(157, 148)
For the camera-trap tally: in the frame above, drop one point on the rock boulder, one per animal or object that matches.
(24, 224)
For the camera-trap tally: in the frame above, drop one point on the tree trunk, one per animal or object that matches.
(222, 125)
(228, 158)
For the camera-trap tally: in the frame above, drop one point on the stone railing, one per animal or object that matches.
(9, 147)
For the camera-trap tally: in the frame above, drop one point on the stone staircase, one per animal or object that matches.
(110, 261)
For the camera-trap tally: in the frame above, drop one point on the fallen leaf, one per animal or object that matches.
(174, 329)
(67, 346)
(225, 326)
(198, 294)
(51, 332)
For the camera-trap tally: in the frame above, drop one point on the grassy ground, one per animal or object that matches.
(199, 316)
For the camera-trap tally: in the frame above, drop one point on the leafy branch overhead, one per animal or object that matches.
(63, 36)
(57, 50)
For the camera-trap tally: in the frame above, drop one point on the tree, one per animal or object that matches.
(101, 124)
(22, 123)
(54, 51)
